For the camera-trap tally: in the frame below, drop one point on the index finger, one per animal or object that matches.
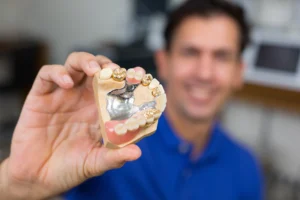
(102, 60)
(79, 64)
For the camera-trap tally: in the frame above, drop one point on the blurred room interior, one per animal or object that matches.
(264, 115)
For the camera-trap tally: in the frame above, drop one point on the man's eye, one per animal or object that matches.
(223, 56)
(190, 52)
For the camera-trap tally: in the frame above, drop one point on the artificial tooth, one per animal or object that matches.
(156, 92)
(130, 73)
(120, 129)
(119, 74)
(147, 79)
(142, 122)
(153, 113)
(150, 120)
(132, 126)
(106, 73)
(139, 75)
(156, 114)
(133, 119)
(154, 83)
(149, 115)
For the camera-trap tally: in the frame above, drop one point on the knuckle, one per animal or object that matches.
(72, 55)
(82, 54)
(79, 57)
(103, 59)
(44, 68)
(52, 69)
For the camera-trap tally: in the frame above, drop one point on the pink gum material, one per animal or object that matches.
(118, 139)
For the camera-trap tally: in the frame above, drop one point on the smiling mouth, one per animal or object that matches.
(199, 95)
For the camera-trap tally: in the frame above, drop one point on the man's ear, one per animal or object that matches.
(239, 76)
(161, 61)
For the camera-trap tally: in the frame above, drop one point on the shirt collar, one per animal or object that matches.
(175, 143)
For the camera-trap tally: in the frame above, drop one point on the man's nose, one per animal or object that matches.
(205, 68)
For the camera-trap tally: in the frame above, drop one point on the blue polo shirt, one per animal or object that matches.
(224, 171)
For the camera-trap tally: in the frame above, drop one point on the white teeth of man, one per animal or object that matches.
(154, 83)
(130, 73)
(106, 73)
(120, 129)
(200, 94)
(139, 75)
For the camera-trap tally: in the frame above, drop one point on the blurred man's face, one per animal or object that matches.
(202, 67)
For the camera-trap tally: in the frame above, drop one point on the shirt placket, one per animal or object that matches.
(185, 172)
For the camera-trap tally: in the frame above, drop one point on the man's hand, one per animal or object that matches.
(56, 143)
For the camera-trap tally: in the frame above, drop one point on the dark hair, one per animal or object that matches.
(207, 8)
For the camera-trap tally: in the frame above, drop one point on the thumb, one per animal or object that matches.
(102, 159)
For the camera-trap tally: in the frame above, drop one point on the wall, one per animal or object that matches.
(8, 17)
(272, 134)
(66, 25)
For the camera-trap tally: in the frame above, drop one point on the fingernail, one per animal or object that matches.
(94, 65)
(67, 79)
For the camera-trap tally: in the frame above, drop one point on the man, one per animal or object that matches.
(55, 146)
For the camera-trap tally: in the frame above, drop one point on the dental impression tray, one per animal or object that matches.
(129, 104)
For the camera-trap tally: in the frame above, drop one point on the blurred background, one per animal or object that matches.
(265, 115)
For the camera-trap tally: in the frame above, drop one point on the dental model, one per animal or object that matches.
(129, 104)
